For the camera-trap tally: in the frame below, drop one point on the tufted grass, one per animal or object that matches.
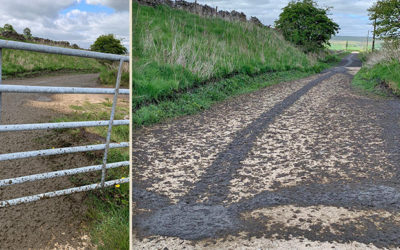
(174, 51)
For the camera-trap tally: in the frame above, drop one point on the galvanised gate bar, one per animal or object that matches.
(62, 125)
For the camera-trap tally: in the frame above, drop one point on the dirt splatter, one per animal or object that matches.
(306, 164)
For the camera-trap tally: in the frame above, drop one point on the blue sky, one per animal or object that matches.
(83, 6)
(75, 21)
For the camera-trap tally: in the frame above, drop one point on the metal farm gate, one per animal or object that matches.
(62, 125)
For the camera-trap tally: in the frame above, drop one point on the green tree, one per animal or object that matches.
(306, 25)
(8, 27)
(108, 44)
(27, 33)
(386, 15)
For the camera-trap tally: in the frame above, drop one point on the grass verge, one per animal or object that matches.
(204, 97)
(108, 212)
(384, 73)
(108, 74)
(24, 63)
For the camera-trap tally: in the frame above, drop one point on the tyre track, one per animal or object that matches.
(262, 166)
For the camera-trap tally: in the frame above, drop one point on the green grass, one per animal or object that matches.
(20, 63)
(26, 63)
(109, 72)
(354, 43)
(387, 72)
(204, 97)
(99, 111)
(184, 63)
(108, 212)
(332, 59)
(175, 51)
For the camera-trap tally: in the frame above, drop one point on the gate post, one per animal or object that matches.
(118, 83)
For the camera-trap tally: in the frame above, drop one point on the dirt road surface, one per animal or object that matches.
(51, 223)
(306, 164)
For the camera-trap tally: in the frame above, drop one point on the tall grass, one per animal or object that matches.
(174, 50)
(381, 66)
(109, 72)
(17, 62)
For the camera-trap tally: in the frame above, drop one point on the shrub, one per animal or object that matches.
(108, 44)
(306, 25)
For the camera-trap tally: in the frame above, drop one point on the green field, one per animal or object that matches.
(355, 43)
(175, 52)
(20, 63)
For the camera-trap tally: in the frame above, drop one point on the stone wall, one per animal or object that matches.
(202, 10)
(19, 37)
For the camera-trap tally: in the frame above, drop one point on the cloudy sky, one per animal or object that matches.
(351, 15)
(76, 21)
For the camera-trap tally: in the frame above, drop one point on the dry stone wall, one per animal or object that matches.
(19, 37)
(202, 10)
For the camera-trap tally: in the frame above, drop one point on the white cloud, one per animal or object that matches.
(76, 26)
(28, 10)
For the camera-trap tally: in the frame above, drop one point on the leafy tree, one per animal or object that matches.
(27, 33)
(306, 25)
(8, 27)
(386, 15)
(108, 44)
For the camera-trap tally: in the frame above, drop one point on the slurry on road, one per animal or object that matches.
(313, 159)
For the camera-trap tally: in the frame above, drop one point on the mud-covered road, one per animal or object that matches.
(312, 163)
(50, 223)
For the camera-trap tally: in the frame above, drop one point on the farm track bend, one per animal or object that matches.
(308, 163)
(50, 223)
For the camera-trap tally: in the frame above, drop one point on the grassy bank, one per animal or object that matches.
(386, 73)
(108, 213)
(380, 69)
(175, 51)
(23, 63)
(183, 63)
(18, 63)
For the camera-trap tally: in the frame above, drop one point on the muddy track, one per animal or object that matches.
(309, 163)
(50, 223)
